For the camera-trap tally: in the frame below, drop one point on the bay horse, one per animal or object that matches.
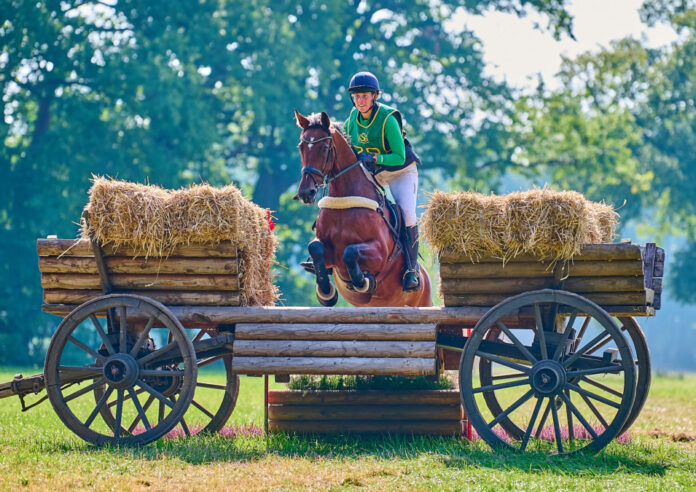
(353, 239)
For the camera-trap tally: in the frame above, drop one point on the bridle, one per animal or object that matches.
(329, 163)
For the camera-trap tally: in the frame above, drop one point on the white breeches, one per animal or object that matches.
(404, 187)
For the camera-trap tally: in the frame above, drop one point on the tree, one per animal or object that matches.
(188, 90)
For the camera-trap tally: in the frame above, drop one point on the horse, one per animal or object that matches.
(353, 240)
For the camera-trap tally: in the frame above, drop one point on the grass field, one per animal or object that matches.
(38, 452)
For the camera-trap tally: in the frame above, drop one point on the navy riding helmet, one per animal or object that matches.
(363, 82)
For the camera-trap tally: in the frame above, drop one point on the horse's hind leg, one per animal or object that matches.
(326, 292)
(363, 282)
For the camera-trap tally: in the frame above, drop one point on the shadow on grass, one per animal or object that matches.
(452, 453)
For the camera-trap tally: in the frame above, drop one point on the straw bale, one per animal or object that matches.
(154, 221)
(548, 224)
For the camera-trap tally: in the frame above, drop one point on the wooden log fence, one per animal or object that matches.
(408, 412)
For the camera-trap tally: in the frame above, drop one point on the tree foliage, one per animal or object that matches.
(187, 90)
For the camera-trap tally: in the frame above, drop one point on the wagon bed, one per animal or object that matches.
(197, 288)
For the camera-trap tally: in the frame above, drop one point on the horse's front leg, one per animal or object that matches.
(363, 282)
(326, 292)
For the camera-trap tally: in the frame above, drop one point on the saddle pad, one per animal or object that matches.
(342, 202)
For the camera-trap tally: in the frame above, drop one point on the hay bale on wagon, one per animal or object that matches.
(548, 224)
(154, 221)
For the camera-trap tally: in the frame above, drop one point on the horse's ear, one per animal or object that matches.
(325, 120)
(302, 122)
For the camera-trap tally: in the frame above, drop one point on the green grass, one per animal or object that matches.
(38, 452)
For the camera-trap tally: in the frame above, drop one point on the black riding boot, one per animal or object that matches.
(411, 278)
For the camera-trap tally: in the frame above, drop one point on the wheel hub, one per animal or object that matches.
(548, 377)
(121, 371)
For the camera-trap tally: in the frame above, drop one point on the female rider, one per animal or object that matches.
(376, 132)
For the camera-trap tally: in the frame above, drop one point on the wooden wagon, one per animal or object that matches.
(534, 343)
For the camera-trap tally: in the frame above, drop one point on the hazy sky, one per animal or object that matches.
(515, 50)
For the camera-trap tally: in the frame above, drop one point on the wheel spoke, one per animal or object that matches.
(122, 330)
(504, 362)
(595, 370)
(102, 335)
(540, 331)
(141, 411)
(160, 412)
(577, 413)
(520, 401)
(84, 390)
(200, 407)
(119, 413)
(148, 402)
(143, 336)
(569, 417)
(185, 427)
(154, 392)
(580, 352)
(603, 386)
(542, 422)
(566, 333)
(530, 427)
(144, 360)
(599, 345)
(221, 387)
(583, 391)
(556, 427)
(126, 397)
(209, 361)
(98, 407)
(517, 342)
(84, 347)
(198, 336)
(589, 403)
(495, 387)
(583, 329)
(509, 376)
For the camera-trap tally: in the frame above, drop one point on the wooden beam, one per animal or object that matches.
(305, 348)
(519, 285)
(334, 331)
(619, 268)
(440, 427)
(120, 264)
(589, 252)
(83, 281)
(364, 397)
(169, 298)
(601, 298)
(364, 412)
(81, 247)
(334, 365)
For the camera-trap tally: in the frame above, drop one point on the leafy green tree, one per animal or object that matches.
(188, 90)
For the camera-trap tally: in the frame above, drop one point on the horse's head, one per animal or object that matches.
(317, 151)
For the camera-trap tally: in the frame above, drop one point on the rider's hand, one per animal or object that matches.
(368, 160)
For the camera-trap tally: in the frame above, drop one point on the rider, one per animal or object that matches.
(377, 136)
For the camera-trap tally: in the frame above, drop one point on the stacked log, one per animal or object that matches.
(192, 275)
(395, 412)
(406, 349)
(623, 278)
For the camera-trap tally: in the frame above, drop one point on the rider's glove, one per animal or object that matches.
(368, 160)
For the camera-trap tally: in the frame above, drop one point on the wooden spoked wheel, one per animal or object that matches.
(643, 374)
(212, 403)
(122, 362)
(554, 379)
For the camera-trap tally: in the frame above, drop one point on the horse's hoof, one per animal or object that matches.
(369, 286)
(329, 299)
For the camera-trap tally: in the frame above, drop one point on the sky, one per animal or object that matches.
(515, 51)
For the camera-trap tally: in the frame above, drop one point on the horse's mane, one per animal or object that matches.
(315, 122)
